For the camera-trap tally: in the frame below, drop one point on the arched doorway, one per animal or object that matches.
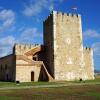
(32, 76)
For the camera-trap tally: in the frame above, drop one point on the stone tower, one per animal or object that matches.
(64, 47)
(88, 55)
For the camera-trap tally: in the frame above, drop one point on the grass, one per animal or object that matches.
(88, 81)
(79, 92)
(94, 94)
(87, 92)
(12, 84)
(93, 81)
(8, 84)
(9, 98)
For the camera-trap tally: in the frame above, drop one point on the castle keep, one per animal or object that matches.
(61, 57)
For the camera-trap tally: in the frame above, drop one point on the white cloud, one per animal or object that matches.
(9, 40)
(6, 44)
(91, 34)
(37, 6)
(30, 33)
(96, 48)
(7, 18)
(6, 14)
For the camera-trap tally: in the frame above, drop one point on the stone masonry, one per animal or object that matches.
(61, 57)
(65, 56)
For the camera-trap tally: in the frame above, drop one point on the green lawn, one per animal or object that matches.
(10, 98)
(78, 92)
(87, 92)
(12, 84)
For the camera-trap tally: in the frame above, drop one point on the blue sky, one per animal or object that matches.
(21, 22)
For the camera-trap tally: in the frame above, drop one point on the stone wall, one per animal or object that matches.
(64, 46)
(20, 49)
(7, 68)
(25, 64)
(68, 46)
(23, 72)
(89, 64)
(49, 44)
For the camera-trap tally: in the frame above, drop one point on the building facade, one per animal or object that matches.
(61, 57)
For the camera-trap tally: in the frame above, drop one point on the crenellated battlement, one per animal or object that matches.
(63, 15)
(87, 49)
(22, 48)
(66, 14)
